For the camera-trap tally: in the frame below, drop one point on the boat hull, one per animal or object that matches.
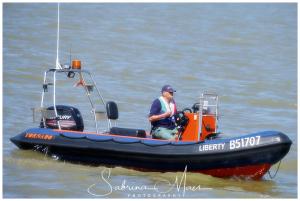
(248, 156)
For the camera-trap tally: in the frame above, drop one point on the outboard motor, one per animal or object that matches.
(69, 118)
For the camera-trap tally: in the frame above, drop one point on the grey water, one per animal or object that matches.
(247, 53)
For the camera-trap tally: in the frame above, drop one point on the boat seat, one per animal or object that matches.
(112, 110)
(128, 132)
(113, 114)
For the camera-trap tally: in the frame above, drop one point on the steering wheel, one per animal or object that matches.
(186, 109)
(181, 119)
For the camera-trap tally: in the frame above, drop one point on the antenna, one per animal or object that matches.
(58, 66)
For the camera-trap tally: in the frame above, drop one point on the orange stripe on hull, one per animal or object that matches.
(254, 172)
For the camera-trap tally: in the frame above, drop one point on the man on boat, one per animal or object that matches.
(161, 112)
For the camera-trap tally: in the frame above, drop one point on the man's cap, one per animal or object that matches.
(167, 88)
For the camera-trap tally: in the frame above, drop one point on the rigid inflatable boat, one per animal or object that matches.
(199, 146)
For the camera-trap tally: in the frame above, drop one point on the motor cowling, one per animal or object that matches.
(68, 117)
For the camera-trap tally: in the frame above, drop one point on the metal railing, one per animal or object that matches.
(208, 105)
(71, 73)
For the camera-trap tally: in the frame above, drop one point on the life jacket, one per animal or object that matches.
(166, 122)
(166, 107)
